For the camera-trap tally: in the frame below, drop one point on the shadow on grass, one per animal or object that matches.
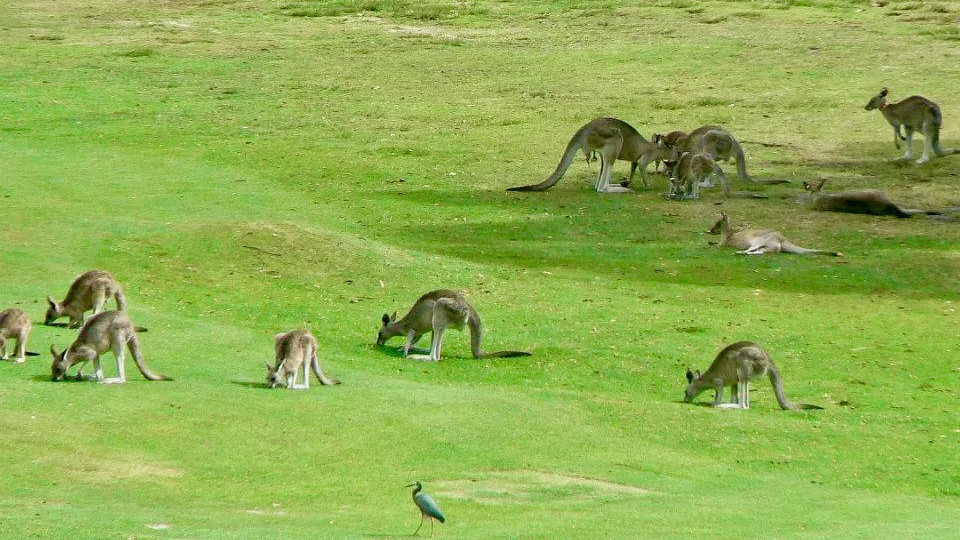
(910, 262)
(251, 384)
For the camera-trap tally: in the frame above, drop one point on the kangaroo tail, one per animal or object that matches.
(504, 354)
(315, 366)
(909, 212)
(476, 332)
(134, 346)
(788, 247)
(785, 403)
(575, 144)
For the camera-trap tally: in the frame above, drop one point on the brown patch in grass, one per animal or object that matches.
(511, 486)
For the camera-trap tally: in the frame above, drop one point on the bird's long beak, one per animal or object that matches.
(410, 485)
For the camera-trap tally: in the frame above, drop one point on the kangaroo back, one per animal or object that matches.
(134, 345)
(576, 143)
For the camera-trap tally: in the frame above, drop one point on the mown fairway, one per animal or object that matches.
(245, 168)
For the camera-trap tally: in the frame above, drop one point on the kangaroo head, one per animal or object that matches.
(54, 311)
(275, 375)
(58, 370)
(694, 387)
(387, 329)
(715, 229)
(878, 101)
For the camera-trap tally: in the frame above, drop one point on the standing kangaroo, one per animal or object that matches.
(434, 312)
(614, 139)
(916, 113)
(295, 349)
(691, 172)
(110, 330)
(759, 241)
(861, 201)
(720, 144)
(89, 290)
(736, 366)
(14, 324)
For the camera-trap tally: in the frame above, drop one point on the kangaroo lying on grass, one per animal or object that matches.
(758, 241)
(736, 366)
(434, 312)
(14, 324)
(720, 144)
(691, 172)
(295, 349)
(614, 139)
(89, 290)
(916, 113)
(110, 330)
(861, 201)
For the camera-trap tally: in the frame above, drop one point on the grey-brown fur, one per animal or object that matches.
(860, 201)
(110, 330)
(614, 139)
(89, 290)
(296, 350)
(914, 114)
(434, 312)
(735, 366)
(691, 172)
(720, 144)
(758, 241)
(14, 324)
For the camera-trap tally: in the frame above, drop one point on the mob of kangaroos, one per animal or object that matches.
(109, 330)
(916, 113)
(295, 350)
(434, 312)
(614, 139)
(89, 290)
(735, 366)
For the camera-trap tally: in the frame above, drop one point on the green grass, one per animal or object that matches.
(245, 168)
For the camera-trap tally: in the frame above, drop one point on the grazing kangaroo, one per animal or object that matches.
(759, 241)
(861, 201)
(720, 144)
(295, 349)
(614, 139)
(735, 366)
(110, 330)
(89, 290)
(916, 113)
(14, 324)
(434, 312)
(691, 172)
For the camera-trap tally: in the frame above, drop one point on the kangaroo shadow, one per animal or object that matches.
(251, 384)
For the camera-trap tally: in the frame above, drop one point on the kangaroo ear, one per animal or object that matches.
(883, 91)
(269, 367)
(386, 319)
(689, 376)
(51, 301)
(699, 374)
(394, 316)
(53, 350)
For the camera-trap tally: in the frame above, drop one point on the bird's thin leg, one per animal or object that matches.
(418, 526)
(431, 528)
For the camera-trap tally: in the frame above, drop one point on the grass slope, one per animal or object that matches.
(245, 168)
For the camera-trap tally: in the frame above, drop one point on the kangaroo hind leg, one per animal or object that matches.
(608, 155)
(118, 352)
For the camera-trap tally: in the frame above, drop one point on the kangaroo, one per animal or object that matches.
(670, 140)
(434, 312)
(295, 349)
(861, 201)
(759, 241)
(101, 333)
(691, 172)
(614, 139)
(14, 324)
(720, 144)
(89, 290)
(736, 366)
(916, 113)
